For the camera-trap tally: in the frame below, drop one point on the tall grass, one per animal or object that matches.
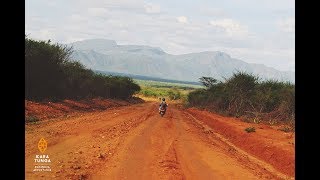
(171, 93)
(245, 95)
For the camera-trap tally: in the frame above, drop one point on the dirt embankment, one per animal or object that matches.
(47, 110)
(267, 143)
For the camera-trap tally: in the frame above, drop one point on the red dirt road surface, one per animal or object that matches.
(135, 142)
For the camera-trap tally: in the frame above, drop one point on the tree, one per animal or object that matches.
(50, 74)
(208, 81)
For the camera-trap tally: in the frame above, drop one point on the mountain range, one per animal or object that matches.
(107, 55)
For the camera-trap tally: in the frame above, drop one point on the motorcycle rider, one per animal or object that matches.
(163, 104)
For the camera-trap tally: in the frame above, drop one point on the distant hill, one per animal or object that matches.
(106, 55)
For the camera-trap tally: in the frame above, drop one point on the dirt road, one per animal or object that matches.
(134, 142)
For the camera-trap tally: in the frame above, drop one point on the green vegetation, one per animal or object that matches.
(149, 78)
(173, 91)
(244, 95)
(50, 74)
(286, 129)
(158, 84)
(250, 129)
(172, 94)
(32, 119)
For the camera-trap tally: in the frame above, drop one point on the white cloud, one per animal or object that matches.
(51, 3)
(46, 34)
(152, 8)
(71, 39)
(212, 12)
(287, 25)
(231, 27)
(138, 22)
(76, 18)
(108, 3)
(97, 11)
(182, 19)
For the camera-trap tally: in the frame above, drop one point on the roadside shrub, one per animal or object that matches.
(50, 74)
(174, 94)
(244, 94)
(250, 129)
(285, 129)
(31, 119)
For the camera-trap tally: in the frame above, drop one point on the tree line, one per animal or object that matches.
(245, 94)
(51, 74)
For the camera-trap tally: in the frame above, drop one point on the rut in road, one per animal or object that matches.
(136, 143)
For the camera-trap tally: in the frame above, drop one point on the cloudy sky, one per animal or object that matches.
(255, 31)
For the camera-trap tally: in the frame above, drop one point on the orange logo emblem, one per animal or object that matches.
(42, 145)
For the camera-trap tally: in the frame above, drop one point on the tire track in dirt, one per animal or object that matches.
(169, 165)
(258, 167)
(162, 148)
(144, 153)
(58, 129)
(135, 142)
(201, 160)
(85, 149)
(268, 146)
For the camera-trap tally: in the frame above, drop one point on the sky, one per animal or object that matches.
(255, 31)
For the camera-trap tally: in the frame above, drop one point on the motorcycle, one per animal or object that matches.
(162, 111)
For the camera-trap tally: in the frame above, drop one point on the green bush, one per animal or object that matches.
(31, 119)
(250, 129)
(244, 94)
(286, 129)
(174, 94)
(51, 74)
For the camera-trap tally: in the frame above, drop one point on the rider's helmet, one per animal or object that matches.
(163, 99)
